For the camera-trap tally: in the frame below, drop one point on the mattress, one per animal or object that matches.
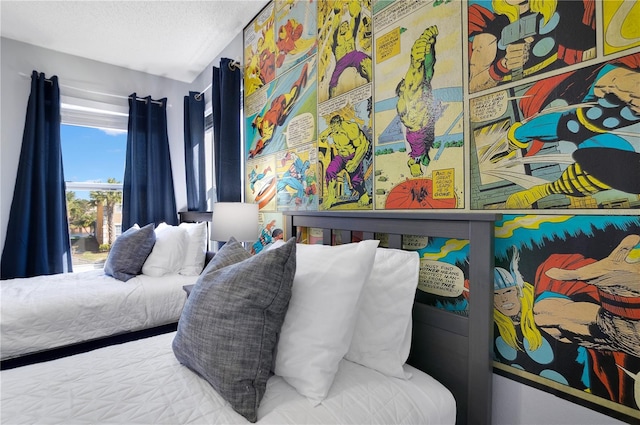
(45, 312)
(141, 382)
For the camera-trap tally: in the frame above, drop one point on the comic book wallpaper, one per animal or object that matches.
(296, 39)
(621, 30)
(559, 142)
(566, 305)
(527, 108)
(510, 41)
(568, 139)
(270, 225)
(419, 144)
(297, 182)
(345, 150)
(259, 51)
(444, 272)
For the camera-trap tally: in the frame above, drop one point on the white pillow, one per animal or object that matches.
(167, 255)
(382, 336)
(322, 313)
(276, 244)
(195, 252)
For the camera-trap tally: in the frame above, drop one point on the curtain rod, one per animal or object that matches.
(144, 99)
(157, 102)
(199, 95)
(233, 65)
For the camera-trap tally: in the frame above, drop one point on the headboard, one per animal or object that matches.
(454, 349)
(194, 216)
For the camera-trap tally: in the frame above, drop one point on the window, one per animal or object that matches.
(94, 139)
(209, 160)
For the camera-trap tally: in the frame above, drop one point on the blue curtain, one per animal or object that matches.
(226, 130)
(147, 189)
(37, 241)
(194, 152)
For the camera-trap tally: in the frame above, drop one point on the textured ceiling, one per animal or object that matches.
(173, 39)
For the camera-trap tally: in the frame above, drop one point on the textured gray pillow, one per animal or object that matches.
(229, 326)
(129, 252)
(231, 252)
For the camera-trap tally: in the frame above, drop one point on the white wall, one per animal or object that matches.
(515, 403)
(81, 73)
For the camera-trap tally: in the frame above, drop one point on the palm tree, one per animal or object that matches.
(109, 199)
(81, 213)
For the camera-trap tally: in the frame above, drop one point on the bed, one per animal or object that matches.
(447, 377)
(45, 317)
(455, 350)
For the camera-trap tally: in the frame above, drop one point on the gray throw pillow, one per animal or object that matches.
(129, 252)
(231, 252)
(228, 329)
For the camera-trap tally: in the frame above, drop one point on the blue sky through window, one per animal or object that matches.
(92, 154)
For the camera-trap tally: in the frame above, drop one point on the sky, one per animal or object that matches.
(92, 154)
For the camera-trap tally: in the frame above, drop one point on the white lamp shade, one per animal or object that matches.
(235, 219)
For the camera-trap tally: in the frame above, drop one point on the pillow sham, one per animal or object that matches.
(229, 325)
(129, 252)
(319, 324)
(167, 255)
(194, 255)
(382, 336)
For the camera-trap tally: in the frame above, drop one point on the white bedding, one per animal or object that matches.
(45, 312)
(141, 382)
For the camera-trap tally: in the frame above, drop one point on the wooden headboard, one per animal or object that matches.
(194, 216)
(456, 350)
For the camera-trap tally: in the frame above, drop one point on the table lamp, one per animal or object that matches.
(236, 219)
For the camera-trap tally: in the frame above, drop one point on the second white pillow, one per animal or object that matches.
(196, 248)
(167, 255)
(382, 336)
(318, 327)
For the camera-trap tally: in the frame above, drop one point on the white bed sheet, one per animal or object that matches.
(45, 312)
(141, 382)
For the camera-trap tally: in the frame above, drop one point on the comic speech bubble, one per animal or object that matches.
(489, 107)
(301, 129)
(440, 278)
(444, 183)
(409, 242)
(256, 102)
(332, 105)
(413, 242)
(388, 45)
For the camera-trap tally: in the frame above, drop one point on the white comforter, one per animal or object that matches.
(45, 312)
(141, 382)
